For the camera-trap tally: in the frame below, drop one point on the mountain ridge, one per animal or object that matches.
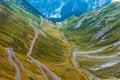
(51, 50)
(57, 11)
(97, 35)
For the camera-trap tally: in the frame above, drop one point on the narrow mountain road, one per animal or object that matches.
(10, 55)
(11, 52)
(88, 53)
(89, 76)
(114, 58)
(92, 51)
(41, 66)
(108, 64)
(74, 61)
(25, 69)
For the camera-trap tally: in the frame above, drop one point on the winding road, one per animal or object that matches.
(42, 68)
(89, 76)
(40, 65)
(10, 55)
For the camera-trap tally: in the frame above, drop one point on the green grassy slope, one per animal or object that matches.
(49, 49)
(99, 32)
(15, 32)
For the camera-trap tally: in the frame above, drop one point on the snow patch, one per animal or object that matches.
(57, 12)
(55, 16)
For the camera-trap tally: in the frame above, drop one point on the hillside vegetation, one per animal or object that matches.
(97, 34)
(50, 48)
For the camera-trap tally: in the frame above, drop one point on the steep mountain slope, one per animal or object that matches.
(97, 35)
(19, 28)
(58, 10)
